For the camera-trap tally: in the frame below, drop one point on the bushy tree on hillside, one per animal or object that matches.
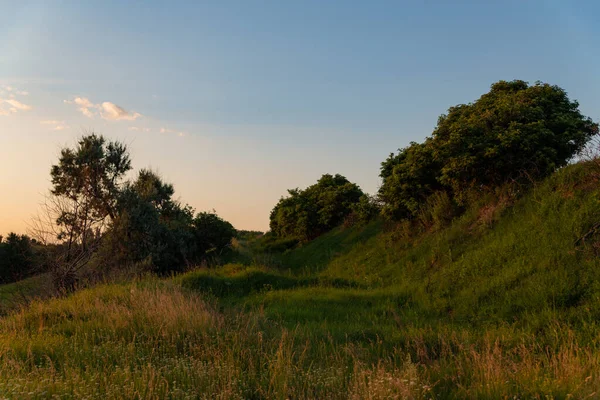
(308, 213)
(408, 179)
(514, 133)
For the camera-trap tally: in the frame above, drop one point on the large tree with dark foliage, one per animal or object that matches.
(308, 213)
(514, 133)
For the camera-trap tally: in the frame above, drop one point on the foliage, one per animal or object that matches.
(308, 213)
(514, 133)
(248, 235)
(86, 184)
(211, 233)
(154, 229)
(366, 209)
(271, 243)
(90, 176)
(98, 216)
(16, 258)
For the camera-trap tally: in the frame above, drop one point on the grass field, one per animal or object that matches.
(502, 303)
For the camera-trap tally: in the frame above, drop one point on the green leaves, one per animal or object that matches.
(306, 214)
(90, 175)
(515, 132)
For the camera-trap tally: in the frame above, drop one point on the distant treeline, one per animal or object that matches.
(96, 223)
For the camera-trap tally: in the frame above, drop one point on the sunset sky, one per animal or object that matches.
(236, 101)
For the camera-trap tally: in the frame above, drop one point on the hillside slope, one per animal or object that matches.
(502, 303)
(499, 260)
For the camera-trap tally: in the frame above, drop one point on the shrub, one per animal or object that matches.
(306, 214)
(514, 133)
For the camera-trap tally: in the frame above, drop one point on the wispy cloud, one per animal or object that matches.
(12, 106)
(84, 105)
(56, 125)
(13, 91)
(107, 110)
(178, 133)
(18, 105)
(138, 129)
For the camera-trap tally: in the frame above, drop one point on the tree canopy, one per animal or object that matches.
(514, 133)
(16, 257)
(307, 213)
(99, 218)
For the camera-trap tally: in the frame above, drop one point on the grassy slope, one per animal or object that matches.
(15, 295)
(500, 303)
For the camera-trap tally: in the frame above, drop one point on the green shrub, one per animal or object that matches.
(514, 133)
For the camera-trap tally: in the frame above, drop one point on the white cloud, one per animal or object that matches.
(113, 112)
(107, 110)
(15, 106)
(18, 105)
(84, 106)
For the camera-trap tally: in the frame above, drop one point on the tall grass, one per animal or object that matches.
(155, 340)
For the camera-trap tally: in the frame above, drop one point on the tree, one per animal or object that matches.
(16, 258)
(514, 133)
(90, 175)
(150, 226)
(408, 179)
(211, 233)
(306, 214)
(86, 184)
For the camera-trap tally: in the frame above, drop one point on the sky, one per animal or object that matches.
(234, 102)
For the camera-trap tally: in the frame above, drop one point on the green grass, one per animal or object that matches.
(18, 294)
(502, 303)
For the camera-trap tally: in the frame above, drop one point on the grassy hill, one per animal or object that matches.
(504, 302)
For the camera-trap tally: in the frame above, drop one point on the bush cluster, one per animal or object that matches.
(515, 133)
(306, 214)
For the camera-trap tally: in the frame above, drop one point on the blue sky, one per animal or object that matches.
(236, 101)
